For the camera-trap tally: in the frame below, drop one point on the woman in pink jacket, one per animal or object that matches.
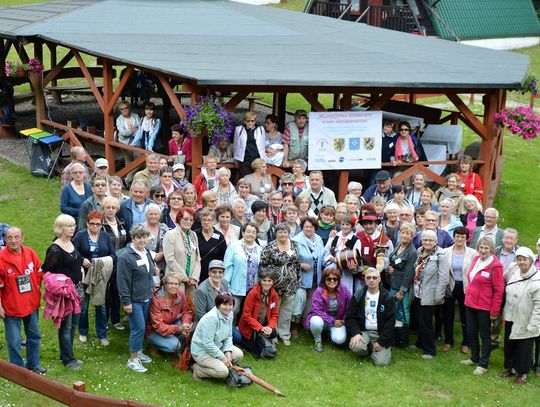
(483, 299)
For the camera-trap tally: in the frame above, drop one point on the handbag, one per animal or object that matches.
(266, 349)
(401, 331)
(235, 379)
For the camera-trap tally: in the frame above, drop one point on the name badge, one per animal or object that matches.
(215, 236)
(272, 305)
(398, 260)
(391, 145)
(123, 232)
(140, 262)
(93, 248)
(434, 258)
(485, 274)
(23, 284)
(366, 250)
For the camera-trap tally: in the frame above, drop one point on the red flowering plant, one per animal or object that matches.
(17, 69)
(521, 121)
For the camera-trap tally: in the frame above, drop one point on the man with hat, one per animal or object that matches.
(371, 240)
(295, 139)
(205, 296)
(179, 176)
(382, 187)
(370, 320)
(20, 297)
(101, 167)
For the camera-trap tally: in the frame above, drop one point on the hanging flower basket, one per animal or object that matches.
(521, 121)
(210, 116)
(16, 69)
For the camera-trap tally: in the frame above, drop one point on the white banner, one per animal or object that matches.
(344, 140)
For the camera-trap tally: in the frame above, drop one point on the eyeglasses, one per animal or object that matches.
(330, 279)
(217, 271)
(188, 219)
(404, 129)
(430, 220)
(166, 176)
(176, 198)
(94, 224)
(371, 278)
(100, 185)
(159, 195)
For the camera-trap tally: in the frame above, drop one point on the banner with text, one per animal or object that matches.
(344, 140)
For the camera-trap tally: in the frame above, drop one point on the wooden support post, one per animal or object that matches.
(3, 53)
(342, 185)
(108, 118)
(38, 50)
(196, 147)
(54, 58)
(468, 116)
(280, 109)
(37, 83)
(335, 103)
(89, 80)
(488, 150)
(313, 101)
(346, 102)
(380, 102)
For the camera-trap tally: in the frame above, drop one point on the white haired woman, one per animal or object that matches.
(522, 315)
(431, 279)
(224, 189)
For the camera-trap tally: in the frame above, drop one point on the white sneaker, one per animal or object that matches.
(105, 342)
(136, 366)
(119, 326)
(143, 358)
(425, 356)
(479, 371)
(83, 338)
(467, 362)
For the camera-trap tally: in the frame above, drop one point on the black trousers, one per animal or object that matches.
(426, 333)
(517, 352)
(536, 366)
(251, 344)
(449, 311)
(479, 323)
(244, 168)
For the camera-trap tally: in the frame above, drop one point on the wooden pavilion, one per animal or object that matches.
(220, 46)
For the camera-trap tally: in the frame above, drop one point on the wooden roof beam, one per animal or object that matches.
(118, 92)
(381, 101)
(89, 80)
(313, 101)
(172, 97)
(236, 99)
(56, 70)
(468, 116)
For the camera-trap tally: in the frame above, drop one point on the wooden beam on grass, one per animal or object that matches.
(89, 80)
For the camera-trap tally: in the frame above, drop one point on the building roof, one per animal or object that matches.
(478, 19)
(228, 43)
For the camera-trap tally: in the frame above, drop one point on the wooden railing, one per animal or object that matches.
(328, 8)
(392, 18)
(60, 392)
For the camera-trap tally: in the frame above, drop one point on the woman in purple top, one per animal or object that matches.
(329, 305)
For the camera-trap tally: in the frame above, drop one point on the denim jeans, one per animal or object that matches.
(167, 344)
(137, 324)
(402, 307)
(100, 316)
(33, 339)
(66, 333)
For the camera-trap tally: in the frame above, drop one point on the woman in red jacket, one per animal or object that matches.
(170, 316)
(471, 183)
(483, 299)
(260, 313)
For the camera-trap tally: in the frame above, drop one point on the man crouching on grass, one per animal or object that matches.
(370, 320)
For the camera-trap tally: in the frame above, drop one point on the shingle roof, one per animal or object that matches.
(476, 19)
(227, 43)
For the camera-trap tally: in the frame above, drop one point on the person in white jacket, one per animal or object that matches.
(249, 143)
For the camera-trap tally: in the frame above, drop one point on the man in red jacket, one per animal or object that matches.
(20, 296)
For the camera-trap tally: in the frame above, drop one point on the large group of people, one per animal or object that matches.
(218, 267)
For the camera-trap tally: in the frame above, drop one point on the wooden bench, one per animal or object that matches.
(7, 131)
(251, 100)
(57, 91)
(182, 94)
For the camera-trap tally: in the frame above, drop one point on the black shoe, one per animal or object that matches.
(39, 370)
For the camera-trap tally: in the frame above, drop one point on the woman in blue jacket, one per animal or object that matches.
(147, 134)
(242, 264)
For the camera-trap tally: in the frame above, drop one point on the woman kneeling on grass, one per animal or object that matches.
(260, 313)
(170, 316)
(330, 302)
(212, 346)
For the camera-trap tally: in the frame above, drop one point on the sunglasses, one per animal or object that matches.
(159, 195)
(404, 129)
(286, 183)
(332, 279)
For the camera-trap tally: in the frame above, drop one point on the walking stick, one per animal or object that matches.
(259, 381)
